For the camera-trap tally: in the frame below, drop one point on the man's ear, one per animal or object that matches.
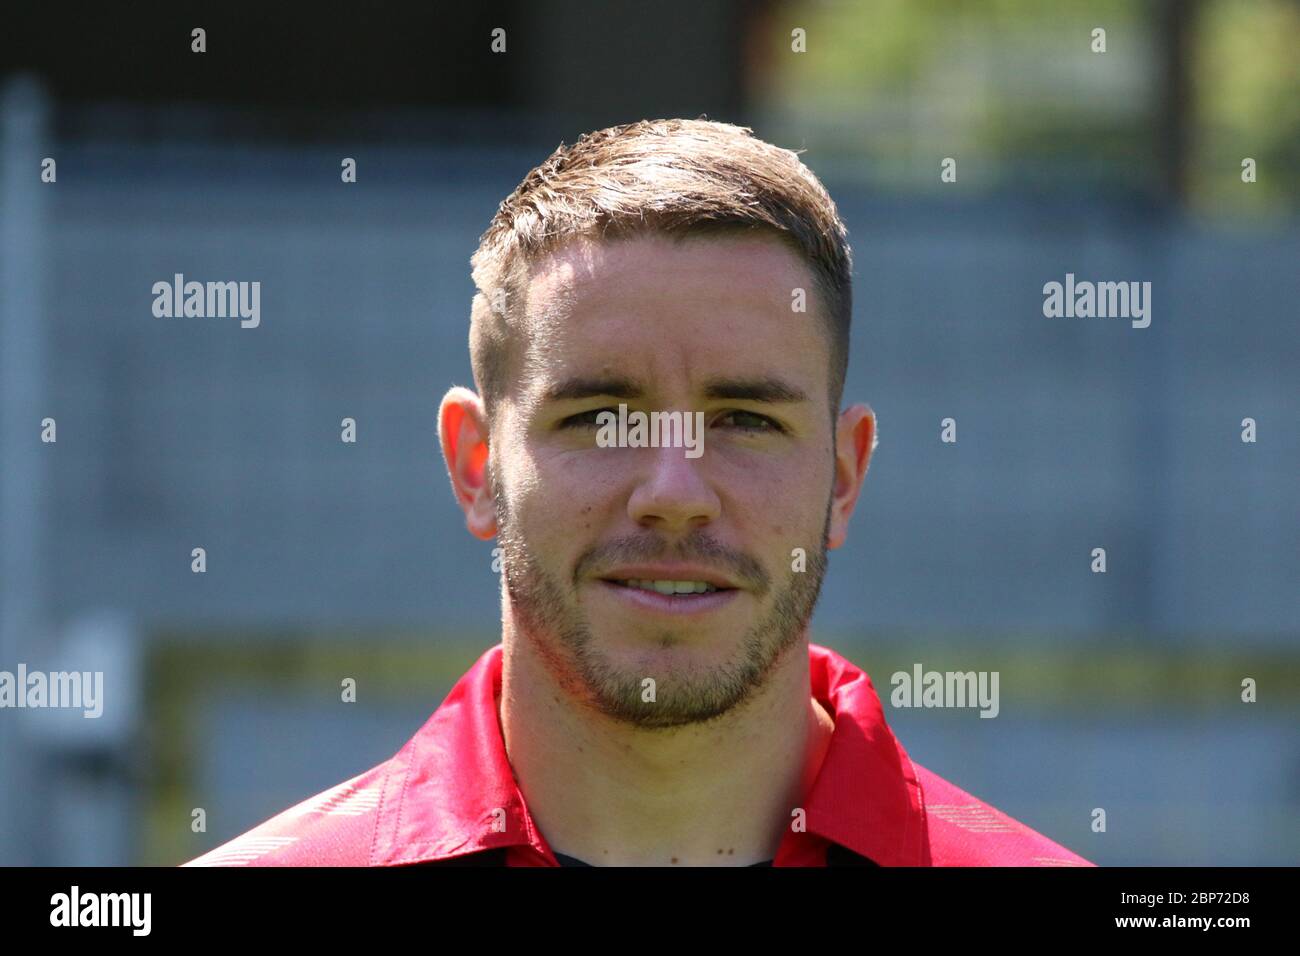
(463, 432)
(855, 437)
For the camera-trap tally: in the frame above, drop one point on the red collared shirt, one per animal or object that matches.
(450, 793)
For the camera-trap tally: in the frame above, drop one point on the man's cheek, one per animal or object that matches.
(796, 540)
(590, 484)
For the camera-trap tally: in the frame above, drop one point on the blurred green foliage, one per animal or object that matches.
(1015, 92)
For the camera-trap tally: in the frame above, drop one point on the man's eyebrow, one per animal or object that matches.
(592, 387)
(767, 389)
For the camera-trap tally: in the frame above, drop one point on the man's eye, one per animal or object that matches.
(753, 422)
(740, 420)
(585, 419)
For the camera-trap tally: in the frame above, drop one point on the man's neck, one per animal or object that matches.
(612, 794)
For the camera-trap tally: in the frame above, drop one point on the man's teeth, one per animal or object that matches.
(672, 587)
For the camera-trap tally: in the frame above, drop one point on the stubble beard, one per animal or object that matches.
(548, 615)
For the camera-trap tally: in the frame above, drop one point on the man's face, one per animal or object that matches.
(705, 325)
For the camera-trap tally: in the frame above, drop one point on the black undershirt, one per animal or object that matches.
(836, 855)
(574, 861)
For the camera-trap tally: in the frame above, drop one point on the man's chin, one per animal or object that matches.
(659, 707)
(667, 680)
(688, 654)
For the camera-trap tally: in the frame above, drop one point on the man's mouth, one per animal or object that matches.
(668, 587)
(694, 591)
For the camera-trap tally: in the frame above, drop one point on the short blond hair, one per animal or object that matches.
(670, 176)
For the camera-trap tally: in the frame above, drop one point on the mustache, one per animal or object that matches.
(698, 548)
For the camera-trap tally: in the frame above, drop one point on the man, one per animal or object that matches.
(655, 699)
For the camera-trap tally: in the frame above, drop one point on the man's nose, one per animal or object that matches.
(672, 492)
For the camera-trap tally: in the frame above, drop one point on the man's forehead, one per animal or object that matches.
(587, 268)
(640, 313)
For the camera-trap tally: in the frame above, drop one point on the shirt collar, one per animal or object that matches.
(866, 796)
(451, 790)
